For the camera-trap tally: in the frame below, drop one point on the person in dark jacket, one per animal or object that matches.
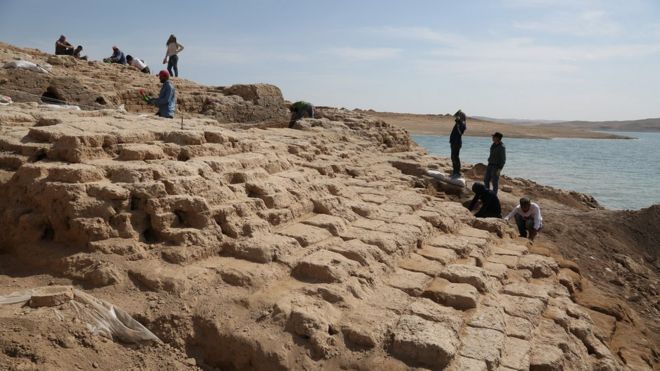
(496, 162)
(63, 47)
(116, 57)
(166, 101)
(300, 110)
(456, 142)
(490, 204)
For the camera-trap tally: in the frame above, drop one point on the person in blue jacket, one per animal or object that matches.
(166, 101)
(116, 57)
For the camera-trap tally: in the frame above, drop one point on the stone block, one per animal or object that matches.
(457, 295)
(483, 344)
(323, 267)
(51, 296)
(420, 342)
(459, 273)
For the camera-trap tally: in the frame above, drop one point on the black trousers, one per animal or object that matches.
(455, 160)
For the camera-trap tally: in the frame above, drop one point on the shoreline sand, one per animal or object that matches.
(418, 124)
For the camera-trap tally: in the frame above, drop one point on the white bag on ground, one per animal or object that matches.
(101, 317)
(25, 65)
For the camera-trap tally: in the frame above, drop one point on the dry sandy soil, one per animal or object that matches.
(241, 244)
(442, 125)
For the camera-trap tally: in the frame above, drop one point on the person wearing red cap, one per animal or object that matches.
(166, 101)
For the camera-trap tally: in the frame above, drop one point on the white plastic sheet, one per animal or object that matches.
(5, 100)
(60, 107)
(27, 65)
(101, 317)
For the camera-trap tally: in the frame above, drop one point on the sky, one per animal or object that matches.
(532, 59)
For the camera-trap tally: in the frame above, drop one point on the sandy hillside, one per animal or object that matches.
(442, 125)
(234, 243)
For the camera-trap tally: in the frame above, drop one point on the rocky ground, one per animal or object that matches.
(245, 245)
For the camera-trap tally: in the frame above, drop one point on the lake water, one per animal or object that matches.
(620, 174)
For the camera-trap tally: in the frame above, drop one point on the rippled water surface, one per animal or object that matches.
(621, 174)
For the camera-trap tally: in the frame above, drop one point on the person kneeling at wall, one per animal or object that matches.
(528, 218)
(166, 101)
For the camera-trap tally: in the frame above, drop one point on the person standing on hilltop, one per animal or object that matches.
(496, 162)
(172, 56)
(116, 57)
(528, 218)
(490, 204)
(456, 142)
(63, 47)
(166, 101)
(299, 110)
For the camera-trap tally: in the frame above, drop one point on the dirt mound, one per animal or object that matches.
(97, 85)
(242, 248)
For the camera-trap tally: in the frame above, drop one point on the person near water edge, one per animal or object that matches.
(528, 218)
(456, 142)
(490, 203)
(496, 162)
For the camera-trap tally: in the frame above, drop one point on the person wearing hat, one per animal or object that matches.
(166, 101)
(528, 218)
(496, 162)
(116, 57)
(138, 63)
(63, 47)
(490, 204)
(456, 142)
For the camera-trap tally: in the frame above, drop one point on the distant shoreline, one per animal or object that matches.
(442, 124)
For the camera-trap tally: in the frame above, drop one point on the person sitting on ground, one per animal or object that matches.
(63, 47)
(300, 110)
(456, 142)
(166, 101)
(528, 218)
(138, 63)
(496, 162)
(490, 204)
(76, 53)
(116, 57)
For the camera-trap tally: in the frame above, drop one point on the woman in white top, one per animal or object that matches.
(172, 57)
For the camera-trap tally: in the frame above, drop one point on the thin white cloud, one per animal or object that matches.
(542, 3)
(363, 54)
(220, 55)
(583, 24)
(419, 34)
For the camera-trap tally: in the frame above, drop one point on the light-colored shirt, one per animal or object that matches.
(534, 211)
(138, 63)
(173, 49)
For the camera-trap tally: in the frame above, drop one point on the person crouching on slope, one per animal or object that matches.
(166, 101)
(138, 63)
(528, 218)
(300, 110)
(490, 204)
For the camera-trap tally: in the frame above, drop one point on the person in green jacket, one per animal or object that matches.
(300, 110)
(496, 162)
